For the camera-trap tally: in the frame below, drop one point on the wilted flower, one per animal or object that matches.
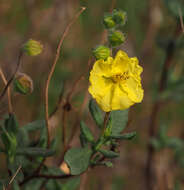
(116, 83)
(23, 84)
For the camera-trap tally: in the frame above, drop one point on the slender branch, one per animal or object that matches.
(58, 105)
(13, 76)
(53, 68)
(13, 177)
(48, 83)
(181, 19)
(10, 108)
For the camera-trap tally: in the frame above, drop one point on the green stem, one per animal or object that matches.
(101, 140)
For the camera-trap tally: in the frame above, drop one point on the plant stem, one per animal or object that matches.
(10, 108)
(53, 68)
(13, 76)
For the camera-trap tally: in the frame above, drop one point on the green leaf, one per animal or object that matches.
(35, 125)
(156, 144)
(71, 184)
(22, 137)
(53, 171)
(78, 159)
(15, 185)
(10, 143)
(119, 121)
(126, 136)
(42, 152)
(83, 140)
(175, 143)
(174, 6)
(54, 184)
(86, 132)
(11, 124)
(33, 184)
(109, 153)
(96, 113)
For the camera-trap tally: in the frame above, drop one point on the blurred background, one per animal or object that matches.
(152, 26)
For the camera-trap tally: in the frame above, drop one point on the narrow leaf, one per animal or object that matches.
(96, 113)
(126, 136)
(86, 132)
(109, 153)
(35, 125)
(35, 152)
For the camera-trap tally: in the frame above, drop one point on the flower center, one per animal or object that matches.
(120, 77)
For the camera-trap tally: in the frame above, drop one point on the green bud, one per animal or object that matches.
(23, 84)
(119, 16)
(108, 22)
(116, 38)
(101, 52)
(32, 47)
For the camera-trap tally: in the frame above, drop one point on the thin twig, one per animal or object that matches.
(181, 18)
(19, 168)
(53, 68)
(13, 177)
(49, 79)
(10, 108)
(13, 76)
(58, 105)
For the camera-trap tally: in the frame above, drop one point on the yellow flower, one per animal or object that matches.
(116, 83)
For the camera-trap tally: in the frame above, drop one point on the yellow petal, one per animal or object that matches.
(133, 89)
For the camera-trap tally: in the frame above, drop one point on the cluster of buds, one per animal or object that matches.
(115, 37)
(23, 84)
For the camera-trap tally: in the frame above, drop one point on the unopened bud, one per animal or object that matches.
(23, 84)
(32, 47)
(64, 167)
(119, 16)
(116, 38)
(108, 22)
(101, 52)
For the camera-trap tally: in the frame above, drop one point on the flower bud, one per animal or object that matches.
(108, 22)
(119, 16)
(32, 47)
(116, 38)
(23, 84)
(101, 52)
